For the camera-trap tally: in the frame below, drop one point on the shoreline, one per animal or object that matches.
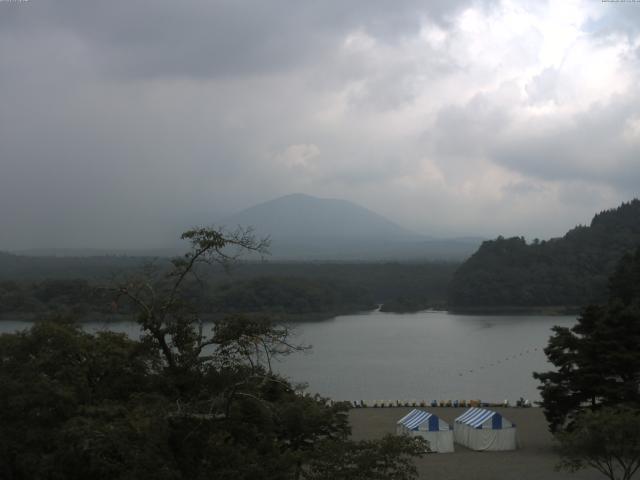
(446, 404)
(313, 317)
(551, 311)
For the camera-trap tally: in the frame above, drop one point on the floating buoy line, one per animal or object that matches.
(501, 361)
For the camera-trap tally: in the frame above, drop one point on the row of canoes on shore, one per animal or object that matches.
(442, 403)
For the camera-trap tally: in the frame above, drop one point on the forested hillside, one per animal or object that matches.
(298, 291)
(24, 267)
(567, 271)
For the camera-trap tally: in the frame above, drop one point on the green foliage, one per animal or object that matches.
(180, 403)
(291, 295)
(104, 406)
(569, 271)
(26, 268)
(73, 296)
(607, 439)
(60, 387)
(597, 362)
(387, 459)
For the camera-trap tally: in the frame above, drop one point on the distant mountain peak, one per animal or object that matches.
(300, 215)
(304, 227)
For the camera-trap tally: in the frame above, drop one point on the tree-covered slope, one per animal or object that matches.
(23, 267)
(568, 271)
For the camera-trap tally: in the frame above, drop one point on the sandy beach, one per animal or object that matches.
(534, 460)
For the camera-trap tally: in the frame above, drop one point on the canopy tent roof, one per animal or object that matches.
(477, 417)
(419, 419)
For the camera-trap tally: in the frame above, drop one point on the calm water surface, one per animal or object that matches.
(422, 356)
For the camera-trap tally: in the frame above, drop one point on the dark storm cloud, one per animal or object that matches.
(199, 38)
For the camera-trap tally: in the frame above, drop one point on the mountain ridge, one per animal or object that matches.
(291, 214)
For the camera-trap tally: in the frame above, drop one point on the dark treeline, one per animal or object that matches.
(76, 297)
(425, 283)
(299, 291)
(290, 295)
(22, 267)
(568, 271)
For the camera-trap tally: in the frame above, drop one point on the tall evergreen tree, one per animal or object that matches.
(598, 360)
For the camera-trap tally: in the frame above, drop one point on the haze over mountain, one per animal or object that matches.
(301, 216)
(303, 227)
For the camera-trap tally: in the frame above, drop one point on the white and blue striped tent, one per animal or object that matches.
(428, 426)
(480, 429)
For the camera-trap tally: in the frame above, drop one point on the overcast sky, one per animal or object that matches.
(122, 121)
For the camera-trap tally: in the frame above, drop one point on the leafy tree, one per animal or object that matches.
(607, 440)
(387, 459)
(180, 403)
(598, 360)
(61, 388)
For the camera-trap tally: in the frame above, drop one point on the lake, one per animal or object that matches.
(423, 356)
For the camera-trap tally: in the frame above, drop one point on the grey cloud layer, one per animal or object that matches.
(123, 121)
(195, 38)
(593, 148)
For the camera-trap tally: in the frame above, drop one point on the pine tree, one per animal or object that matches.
(598, 360)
